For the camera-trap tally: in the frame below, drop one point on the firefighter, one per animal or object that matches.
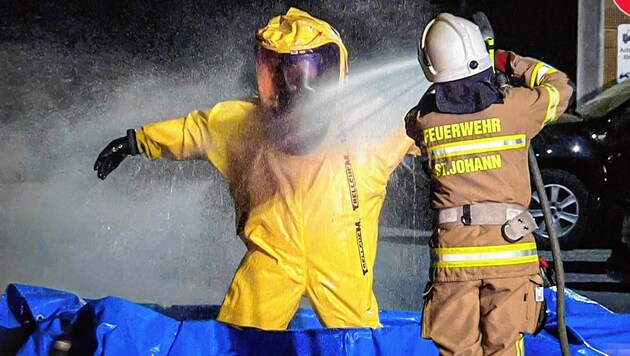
(484, 291)
(307, 213)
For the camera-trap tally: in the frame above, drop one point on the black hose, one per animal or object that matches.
(555, 251)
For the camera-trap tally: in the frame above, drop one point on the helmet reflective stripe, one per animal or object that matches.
(493, 144)
(452, 48)
(484, 256)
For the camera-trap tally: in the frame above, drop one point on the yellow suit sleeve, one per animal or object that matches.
(200, 135)
(393, 149)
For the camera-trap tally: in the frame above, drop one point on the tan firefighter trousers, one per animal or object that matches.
(482, 317)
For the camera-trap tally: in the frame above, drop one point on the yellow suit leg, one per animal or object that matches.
(263, 293)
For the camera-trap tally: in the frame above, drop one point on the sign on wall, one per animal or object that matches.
(623, 52)
(623, 5)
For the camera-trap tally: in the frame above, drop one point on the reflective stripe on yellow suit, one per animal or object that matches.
(489, 318)
(309, 222)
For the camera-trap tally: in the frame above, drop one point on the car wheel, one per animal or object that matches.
(569, 205)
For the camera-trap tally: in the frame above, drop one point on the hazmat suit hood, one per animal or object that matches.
(297, 30)
(296, 53)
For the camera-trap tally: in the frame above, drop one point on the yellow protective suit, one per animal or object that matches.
(310, 222)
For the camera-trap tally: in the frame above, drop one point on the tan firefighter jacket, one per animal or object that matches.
(482, 157)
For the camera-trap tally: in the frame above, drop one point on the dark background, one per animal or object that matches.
(163, 31)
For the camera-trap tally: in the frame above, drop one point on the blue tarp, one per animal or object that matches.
(33, 318)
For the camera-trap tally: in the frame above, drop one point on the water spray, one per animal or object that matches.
(370, 104)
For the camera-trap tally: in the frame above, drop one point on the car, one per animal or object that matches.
(584, 161)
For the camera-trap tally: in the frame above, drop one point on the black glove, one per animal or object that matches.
(115, 152)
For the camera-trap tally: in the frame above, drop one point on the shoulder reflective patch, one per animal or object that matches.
(540, 70)
(554, 100)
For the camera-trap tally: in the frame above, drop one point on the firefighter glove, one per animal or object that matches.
(114, 153)
(503, 61)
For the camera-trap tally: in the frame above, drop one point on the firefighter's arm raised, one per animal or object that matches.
(552, 90)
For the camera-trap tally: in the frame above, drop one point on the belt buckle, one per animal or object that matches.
(466, 219)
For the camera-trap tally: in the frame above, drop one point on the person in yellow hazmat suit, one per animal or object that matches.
(307, 212)
(485, 291)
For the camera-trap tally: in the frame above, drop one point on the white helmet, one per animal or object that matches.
(452, 48)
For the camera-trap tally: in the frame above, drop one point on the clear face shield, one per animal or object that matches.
(282, 77)
(284, 81)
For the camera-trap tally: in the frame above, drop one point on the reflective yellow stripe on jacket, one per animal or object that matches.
(554, 100)
(484, 256)
(492, 144)
(540, 71)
